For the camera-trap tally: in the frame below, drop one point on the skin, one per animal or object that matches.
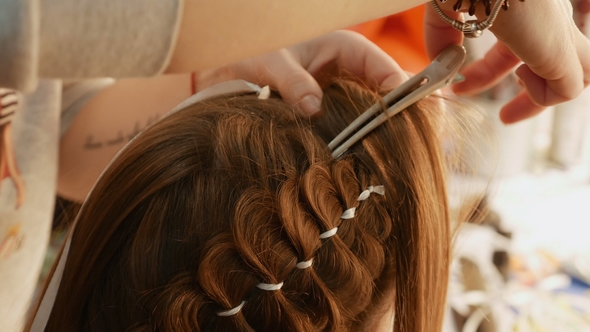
(539, 33)
(538, 38)
(117, 113)
(383, 319)
(294, 70)
(211, 36)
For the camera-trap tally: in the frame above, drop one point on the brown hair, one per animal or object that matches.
(234, 191)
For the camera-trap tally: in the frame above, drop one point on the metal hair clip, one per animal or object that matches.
(440, 73)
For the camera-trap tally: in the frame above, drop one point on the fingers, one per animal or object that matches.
(343, 51)
(293, 71)
(519, 108)
(295, 84)
(558, 82)
(555, 53)
(439, 34)
(365, 59)
(487, 72)
(278, 69)
(354, 54)
(564, 54)
(540, 92)
(564, 78)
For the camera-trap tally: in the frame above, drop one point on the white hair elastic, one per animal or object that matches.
(348, 213)
(372, 189)
(236, 309)
(232, 311)
(328, 234)
(41, 314)
(269, 287)
(304, 264)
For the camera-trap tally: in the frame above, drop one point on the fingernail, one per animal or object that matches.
(309, 105)
(458, 78)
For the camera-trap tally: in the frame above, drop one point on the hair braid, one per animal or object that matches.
(258, 247)
(335, 264)
(232, 215)
(354, 232)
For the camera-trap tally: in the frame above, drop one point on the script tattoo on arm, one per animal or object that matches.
(122, 137)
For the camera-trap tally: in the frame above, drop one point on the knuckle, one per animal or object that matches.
(351, 36)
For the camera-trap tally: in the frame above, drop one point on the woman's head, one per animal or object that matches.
(234, 192)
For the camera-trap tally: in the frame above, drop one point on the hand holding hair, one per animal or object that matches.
(293, 70)
(540, 37)
(301, 241)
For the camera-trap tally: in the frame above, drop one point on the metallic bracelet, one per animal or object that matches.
(471, 28)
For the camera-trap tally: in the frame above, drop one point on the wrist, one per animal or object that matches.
(484, 14)
(508, 19)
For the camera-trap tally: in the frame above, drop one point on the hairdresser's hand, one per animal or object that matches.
(540, 33)
(294, 71)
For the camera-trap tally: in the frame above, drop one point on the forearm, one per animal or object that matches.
(108, 122)
(85, 38)
(215, 33)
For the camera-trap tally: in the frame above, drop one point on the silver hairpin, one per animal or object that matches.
(441, 72)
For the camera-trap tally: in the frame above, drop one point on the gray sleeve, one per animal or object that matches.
(19, 44)
(86, 38)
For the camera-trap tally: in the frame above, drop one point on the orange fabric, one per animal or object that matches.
(401, 36)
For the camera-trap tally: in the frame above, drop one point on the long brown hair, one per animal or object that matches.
(234, 191)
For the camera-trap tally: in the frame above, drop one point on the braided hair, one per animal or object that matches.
(232, 215)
